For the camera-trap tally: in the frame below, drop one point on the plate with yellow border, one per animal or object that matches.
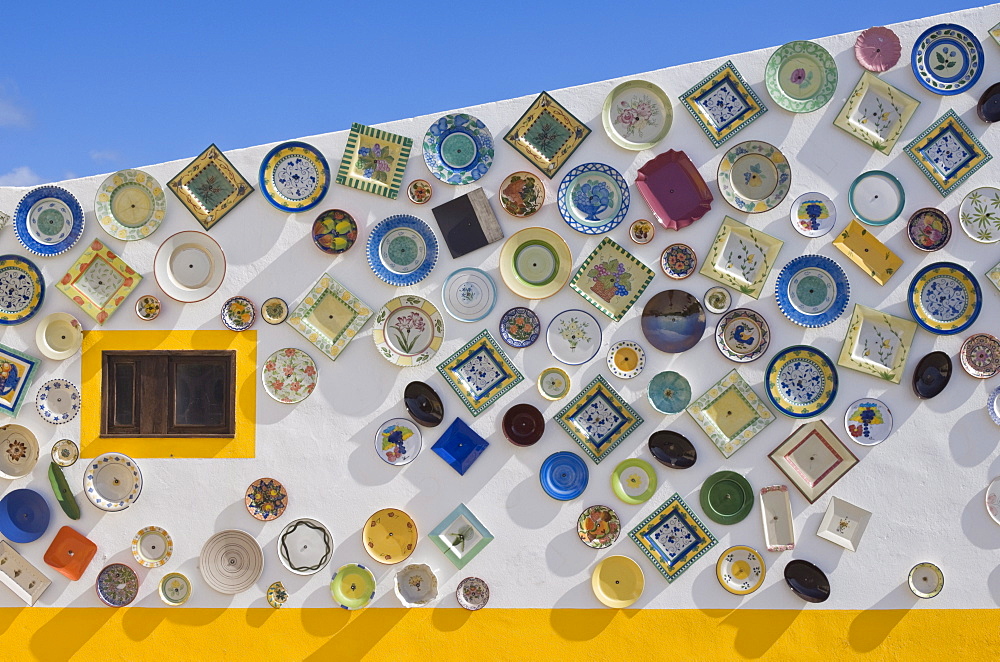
(294, 176)
(945, 298)
(740, 570)
(130, 205)
(618, 582)
(535, 263)
(390, 536)
(408, 330)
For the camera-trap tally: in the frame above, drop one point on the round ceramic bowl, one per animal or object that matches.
(59, 336)
(416, 585)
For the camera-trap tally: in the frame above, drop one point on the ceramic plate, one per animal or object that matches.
(717, 300)
(807, 581)
(175, 589)
(868, 421)
(672, 449)
(812, 291)
(813, 458)
(112, 482)
(58, 336)
(754, 177)
(58, 401)
(416, 585)
(669, 392)
(238, 313)
(932, 375)
(723, 103)
(865, 250)
(289, 375)
(947, 59)
(740, 570)
(408, 331)
(130, 205)
(637, 115)
(801, 381)
(389, 536)
(330, 316)
(461, 536)
(231, 561)
(730, 413)
(398, 441)
(948, 153)
(458, 149)
(741, 257)
(674, 190)
(926, 580)
(334, 231)
(598, 527)
(876, 197)
(374, 161)
(304, 546)
(877, 343)
(980, 355)
(472, 593)
(626, 359)
(617, 582)
(988, 107)
(564, 476)
(535, 263)
(593, 198)
(469, 294)
(24, 517)
(18, 451)
(641, 231)
(742, 335)
(553, 383)
(48, 221)
(993, 500)
(189, 266)
(99, 281)
(117, 585)
(776, 516)
(460, 446)
(480, 373)
(64, 452)
(844, 524)
(993, 405)
(945, 298)
(979, 215)
(152, 546)
(678, 261)
(611, 279)
(274, 310)
(17, 370)
(928, 229)
(876, 112)
(598, 419)
(353, 586)
(801, 76)
(673, 321)
(210, 187)
(634, 481)
(726, 497)
(522, 194)
(277, 595)
(402, 250)
(523, 425)
(877, 49)
(813, 215)
(547, 134)
(673, 538)
(266, 499)
(419, 191)
(520, 327)
(148, 308)
(573, 337)
(294, 176)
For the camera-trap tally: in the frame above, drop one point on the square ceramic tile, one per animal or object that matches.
(611, 279)
(844, 524)
(673, 538)
(730, 413)
(723, 104)
(598, 419)
(994, 275)
(876, 112)
(4, 220)
(461, 536)
(741, 257)
(210, 187)
(460, 446)
(374, 161)
(865, 250)
(995, 33)
(948, 153)
(547, 134)
(813, 458)
(16, 373)
(480, 373)
(877, 343)
(99, 281)
(330, 316)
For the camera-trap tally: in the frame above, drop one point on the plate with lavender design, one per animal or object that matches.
(520, 327)
(637, 115)
(801, 76)
(289, 375)
(408, 330)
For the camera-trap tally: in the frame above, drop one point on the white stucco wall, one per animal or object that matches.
(925, 485)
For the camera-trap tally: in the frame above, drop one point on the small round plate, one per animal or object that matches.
(117, 585)
(868, 421)
(402, 250)
(24, 516)
(130, 205)
(353, 586)
(294, 176)
(152, 546)
(993, 499)
(238, 313)
(634, 481)
(334, 231)
(419, 191)
(564, 475)
(304, 546)
(925, 580)
(277, 595)
(398, 441)
(945, 298)
(742, 335)
(813, 214)
(469, 294)
(626, 359)
(472, 593)
(979, 215)
(876, 197)
(48, 220)
(458, 149)
(727, 497)
(18, 451)
(801, 381)
(672, 449)
(58, 401)
(175, 589)
(980, 355)
(593, 198)
(812, 291)
(617, 582)
(993, 405)
(598, 527)
(988, 108)
(59, 336)
(637, 115)
(112, 482)
(390, 536)
(928, 229)
(274, 310)
(535, 263)
(64, 452)
(718, 299)
(678, 261)
(877, 49)
(801, 76)
(266, 499)
(22, 289)
(423, 404)
(573, 337)
(807, 581)
(231, 561)
(947, 59)
(520, 327)
(553, 383)
(669, 392)
(932, 375)
(523, 424)
(189, 266)
(408, 330)
(415, 585)
(289, 375)
(673, 321)
(754, 177)
(641, 231)
(148, 308)
(522, 194)
(740, 570)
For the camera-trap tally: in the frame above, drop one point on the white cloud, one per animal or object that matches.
(104, 155)
(20, 176)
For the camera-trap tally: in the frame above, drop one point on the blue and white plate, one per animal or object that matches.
(58, 401)
(947, 59)
(48, 220)
(402, 250)
(801, 381)
(993, 405)
(520, 327)
(22, 289)
(593, 198)
(945, 298)
(812, 291)
(294, 176)
(469, 294)
(564, 475)
(458, 149)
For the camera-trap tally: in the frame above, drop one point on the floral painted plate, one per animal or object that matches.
(289, 375)
(641, 231)
(238, 313)
(876, 112)
(117, 585)
(979, 215)
(877, 343)
(611, 279)
(274, 310)
(741, 257)
(152, 546)
(801, 76)
(520, 327)
(553, 383)
(928, 229)
(801, 381)
(573, 337)
(947, 59)
(416, 585)
(993, 499)
(334, 231)
(593, 198)
(419, 191)
(277, 595)
(65, 452)
(18, 451)
(522, 194)
(112, 482)
(472, 593)
(535, 263)
(408, 331)
(390, 536)
(637, 115)
(669, 392)
(634, 481)
(742, 335)
(374, 161)
(844, 524)
(458, 149)
(754, 177)
(598, 527)
(58, 401)
(626, 359)
(469, 294)
(812, 291)
(398, 441)
(294, 176)
(402, 250)
(945, 298)
(547, 134)
(48, 221)
(980, 355)
(678, 261)
(99, 281)
(175, 589)
(148, 308)
(947, 153)
(210, 187)
(266, 499)
(813, 215)
(723, 103)
(130, 205)
(740, 570)
(876, 197)
(868, 421)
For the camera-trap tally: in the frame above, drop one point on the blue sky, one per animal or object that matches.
(89, 88)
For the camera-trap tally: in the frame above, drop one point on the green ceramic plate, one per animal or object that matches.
(634, 481)
(353, 586)
(801, 76)
(726, 497)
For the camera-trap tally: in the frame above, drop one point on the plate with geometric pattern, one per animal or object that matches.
(329, 316)
(673, 538)
(480, 373)
(730, 413)
(547, 134)
(210, 187)
(723, 103)
(813, 458)
(48, 220)
(294, 176)
(948, 153)
(130, 205)
(598, 419)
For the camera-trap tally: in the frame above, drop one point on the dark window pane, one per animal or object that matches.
(200, 394)
(124, 390)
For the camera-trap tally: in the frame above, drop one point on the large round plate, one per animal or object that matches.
(993, 500)
(726, 497)
(402, 250)
(398, 441)
(472, 593)
(980, 355)
(813, 214)
(353, 586)
(573, 337)
(876, 197)
(24, 516)
(740, 570)
(189, 266)
(266, 499)
(18, 451)
(598, 527)
(458, 149)
(58, 401)
(112, 482)
(637, 115)
(231, 561)
(294, 176)
(522, 194)
(564, 475)
(535, 263)
(742, 335)
(634, 481)
(117, 585)
(593, 198)
(152, 546)
(673, 321)
(408, 330)
(947, 59)
(801, 76)
(305, 546)
(617, 582)
(59, 336)
(22, 289)
(469, 294)
(669, 392)
(130, 205)
(945, 298)
(289, 375)
(390, 536)
(868, 421)
(48, 220)
(334, 231)
(801, 381)
(754, 177)
(520, 327)
(979, 215)
(812, 291)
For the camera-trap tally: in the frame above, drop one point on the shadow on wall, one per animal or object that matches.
(356, 639)
(871, 627)
(758, 630)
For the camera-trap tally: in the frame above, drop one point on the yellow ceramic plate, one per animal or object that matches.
(535, 263)
(740, 570)
(390, 536)
(130, 205)
(617, 582)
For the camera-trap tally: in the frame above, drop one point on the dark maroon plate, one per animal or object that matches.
(674, 190)
(672, 449)
(807, 581)
(523, 424)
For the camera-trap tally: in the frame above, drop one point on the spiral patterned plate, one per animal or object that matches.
(231, 561)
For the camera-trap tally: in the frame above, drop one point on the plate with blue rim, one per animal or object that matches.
(469, 294)
(944, 298)
(48, 220)
(593, 198)
(22, 289)
(801, 381)
(458, 149)
(294, 176)
(564, 475)
(947, 59)
(812, 291)
(402, 250)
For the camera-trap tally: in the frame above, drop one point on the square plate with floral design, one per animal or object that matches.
(330, 316)
(18, 373)
(460, 536)
(844, 524)
(210, 187)
(723, 103)
(877, 343)
(547, 134)
(598, 419)
(611, 279)
(876, 112)
(813, 458)
(730, 413)
(374, 161)
(99, 281)
(741, 257)
(948, 153)
(673, 538)
(480, 373)
(865, 250)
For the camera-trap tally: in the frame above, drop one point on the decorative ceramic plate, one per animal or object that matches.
(148, 308)
(678, 261)
(673, 321)
(480, 373)
(99, 281)
(48, 221)
(948, 153)
(776, 516)
(674, 189)
(593, 198)
(801, 381)
(807, 581)
(130, 205)
(353, 586)
(979, 215)
(423, 404)
(617, 582)
(812, 291)
(523, 424)
(547, 134)
(398, 441)
(520, 327)
(673, 537)
(641, 231)
(598, 419)
(189, 266)
(993, 500)
(294, 176)
(112, 482)
(330, 316)
(672, 449)
(726, 497)
(58, 336)
(717, 300)
(408, 331)
(754, 177)
(813, 214)
(16, 374)
(611, 279)
(231, 561)
(813, 458)
(419, 191)
(460, 446)
(289, 375)
(877, 49)
(877, 343)
(390, 536)
(634, 481)
(152, 546)
(741, 257)
(305, 546)
(564, 475)
(742, 335)
(573, 337)
(945, 298)
(980, 355)
(416, 585)
(988, 107)
(637, 115)
(458, 149)
(18, 451)
(669, 392)
(117, 585)
(865, 250)
(740, 570)
(932, 374)
(876, 112)
(553, 383)
(277, 595)
(598, 527)
(844, 524)
(868, 421)
(993, 405)
(266, 499)
(522, 194)
(947, 59)
(928, 229)
(334, 231)
(730, 413)
(402, 250)
(472, 593)
(926, 580)
(65, 452)
(238, 313)
(723, 103)
(24, 517)
(626, 359)
(175, 589)
(374, 161)
(274, 310)
(469, 294)
(801, 76)
(535, 263)
(876, 197)
(461, 536)
(210, 187)
(57, 401)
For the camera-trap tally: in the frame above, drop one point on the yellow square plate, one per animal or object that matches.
(730, 413)
(330, 316)
(866, 251)
(210, 187)
(741, 257)
(877, 343)
(99, 282)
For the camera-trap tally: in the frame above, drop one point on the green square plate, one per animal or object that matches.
(877, 343)
(598, 419)
(611, 279)
(673, 538)
(547, 134)
(730, 413)
(948, 153)
(374, 161)
(876, 112)
(480, 373)
(723, 104)
(460, 536)
(330, 316)
(210, 187)
(741, 257)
